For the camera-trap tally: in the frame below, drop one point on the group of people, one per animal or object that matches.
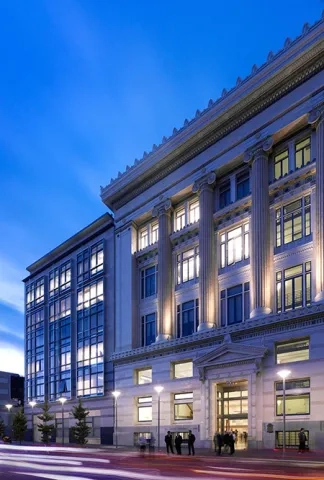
(178, 443)
(226, 440)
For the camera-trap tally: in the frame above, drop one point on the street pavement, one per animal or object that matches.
(59, 463)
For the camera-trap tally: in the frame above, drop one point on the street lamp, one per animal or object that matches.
(32, 403)
(9, 407)
(116, 394)
(62, 400)
(158, 390)
(284, 374)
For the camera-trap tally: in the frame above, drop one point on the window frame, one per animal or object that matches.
(175, 364)
(287, 344)
(245, 303)
(144, 323)
(138, 372)
(225, 242)
(181, 400)
(291, 396)
(181, 312)
(183, 263)
(242, 180)
(186, 214)
(285, 282)
(307, 147)
(141, 403)
(280, 162)
(224, 194)
(284, 218)
(144, 276)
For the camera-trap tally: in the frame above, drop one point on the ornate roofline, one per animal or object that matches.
(262, 87)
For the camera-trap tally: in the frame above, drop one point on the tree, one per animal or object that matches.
(2, 428)
(19, 425)
(46, 428)
(81, 430)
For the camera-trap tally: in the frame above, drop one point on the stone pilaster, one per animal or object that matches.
(316, 119)
(164, 321)
(260, 255)
(207, 271)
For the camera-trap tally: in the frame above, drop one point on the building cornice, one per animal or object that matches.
(304, 317)
(297, 62)
(95, 228)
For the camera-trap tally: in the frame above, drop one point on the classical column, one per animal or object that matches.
(164, 321)
(316, 119)
(260, 255)
(207, 270)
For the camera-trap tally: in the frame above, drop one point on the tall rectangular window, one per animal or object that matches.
(149, 281)
(234, 245)
(35, 356)
(83, 266)
(97, 258)
(39, 291)
(294, 351)
(188, 265)
(183, 406)
(293, 221)
(90, 340)
(144, 238)
(224, 194)
(65, 276)
(293, 287)
(144, 409)
(194, 212)
(54, 282)
(235, 304)
(281, 164)
(187, 318)
(154, 232)
(148, 329)
(60, 358)
(242, 185)
(180, 219)
(303, 153)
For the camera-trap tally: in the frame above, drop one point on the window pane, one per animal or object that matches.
(295, 404)
(183, 411)
(144, 414)
(144, 376)
(293, 352)
(183, 396)
(183, 370)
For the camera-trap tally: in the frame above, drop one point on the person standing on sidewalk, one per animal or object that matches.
(231, 442)
(178, 442)
(191, 443)
(168, 442)
(302, 441)
(219, 442)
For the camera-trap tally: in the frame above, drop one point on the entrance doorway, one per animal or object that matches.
(232, 410)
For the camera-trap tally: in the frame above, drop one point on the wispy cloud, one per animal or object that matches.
(13, 332)
(11, 358)
(11, 286)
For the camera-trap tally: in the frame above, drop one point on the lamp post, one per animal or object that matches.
(284, 374)
(62, 400)
(116, 394)
(158, 390)
(32, 403)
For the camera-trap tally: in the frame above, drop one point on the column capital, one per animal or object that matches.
(206, 181)
(316, 116)
(165, 207)
(260, 149)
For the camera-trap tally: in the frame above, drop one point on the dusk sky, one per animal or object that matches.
(86, 87)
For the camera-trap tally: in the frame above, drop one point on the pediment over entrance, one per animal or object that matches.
(229, 354)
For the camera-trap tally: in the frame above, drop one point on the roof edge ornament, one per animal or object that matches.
(255, 69)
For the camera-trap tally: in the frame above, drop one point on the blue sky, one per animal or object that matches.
(86, 87)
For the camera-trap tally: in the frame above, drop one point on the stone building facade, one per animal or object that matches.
(69, 329)
(220, 263)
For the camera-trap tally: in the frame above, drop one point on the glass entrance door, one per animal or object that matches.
(232, 410)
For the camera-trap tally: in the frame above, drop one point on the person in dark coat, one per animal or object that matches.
(191, 443)
(168, 442)
(232, 443)
(219, 443)
(302, 440)
(226, 441)
(178, 442)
